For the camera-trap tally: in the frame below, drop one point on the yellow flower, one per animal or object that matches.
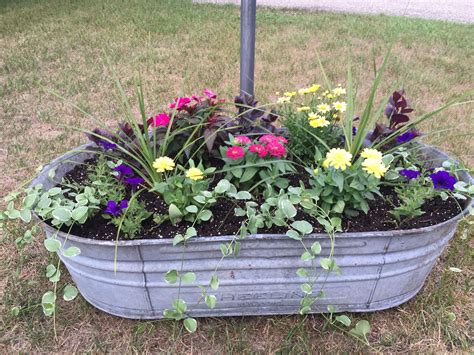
(304, 91)
(323, 108)
(374, 167)
(303, 109)
(290, 93)
(339, 91)
(340, 106)
(338, 158)
(194, 174)
(371, 154)
(330, 96)
(318, 122)
(313, 116)
(162, 164)
(314, 88)
(283, 100)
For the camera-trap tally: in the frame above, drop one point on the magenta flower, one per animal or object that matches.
(276, 149)
(268, 138)
(410, 174)
(196, 98)
(242, 140)
(443, 180)
(114, 208)
(161, 120)
(281, 139)
(180, 102)
(210, 94)
(259, 149)
(235, 152)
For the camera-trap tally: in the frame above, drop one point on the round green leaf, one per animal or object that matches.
(302, 226)
(72, 251)
(211, 301)
(188, 277)
(287, 208)
(70, 292)
(52, 245)
(190, 324)
(79, 213)
(344, 320)
(171, 276)
(62, 214)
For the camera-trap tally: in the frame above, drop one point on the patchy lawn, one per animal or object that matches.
(176, 46)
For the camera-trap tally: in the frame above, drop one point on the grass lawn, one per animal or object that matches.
(176, 46)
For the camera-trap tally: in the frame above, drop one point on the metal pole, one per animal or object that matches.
(247, 45)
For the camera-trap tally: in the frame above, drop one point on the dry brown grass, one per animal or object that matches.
(176, 46)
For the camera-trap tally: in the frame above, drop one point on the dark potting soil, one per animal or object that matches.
(224, 222)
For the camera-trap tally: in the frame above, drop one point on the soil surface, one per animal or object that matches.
(224, 222)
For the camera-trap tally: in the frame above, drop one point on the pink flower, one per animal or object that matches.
(282, 139)
(242, 140)
(160, 120)
(180, 103)
(235, 152)
(210, 94)
(276, 149)
(267, 138)
(259, 149)
(196, 98)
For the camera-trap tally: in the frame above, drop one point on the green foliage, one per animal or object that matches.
(130, 222)
(102, 178)
(344, 192)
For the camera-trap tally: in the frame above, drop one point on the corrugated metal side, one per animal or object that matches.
(379, 270)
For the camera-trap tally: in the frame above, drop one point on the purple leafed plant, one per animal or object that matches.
(396, 111)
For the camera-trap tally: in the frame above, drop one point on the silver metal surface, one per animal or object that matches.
(379, 270)
(247, 46)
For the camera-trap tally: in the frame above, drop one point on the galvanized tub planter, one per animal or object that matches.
(379, 270)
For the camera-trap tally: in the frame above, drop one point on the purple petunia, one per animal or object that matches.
(106, 145)
(443, 180)
(407, 136)
(134, 180)
(123, 170)
(410, 174)
(114, 208)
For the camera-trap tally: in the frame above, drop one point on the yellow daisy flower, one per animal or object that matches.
(303, 109)
(374, 167)
(162, 164)
(290, 93)
(318, 122)
(371, 154)
(340, 106)
(194, 174)
(338, 158)
(339, 91)
(314, 88)
(323, 108)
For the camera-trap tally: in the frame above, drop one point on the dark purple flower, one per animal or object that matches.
(114, 208)
(410, 174)
(443, 180)
(107, 145)
(354, 130)
(124, 171)
(407, 136)
(134, 180)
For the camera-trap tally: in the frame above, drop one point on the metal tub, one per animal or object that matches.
(379, 270)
